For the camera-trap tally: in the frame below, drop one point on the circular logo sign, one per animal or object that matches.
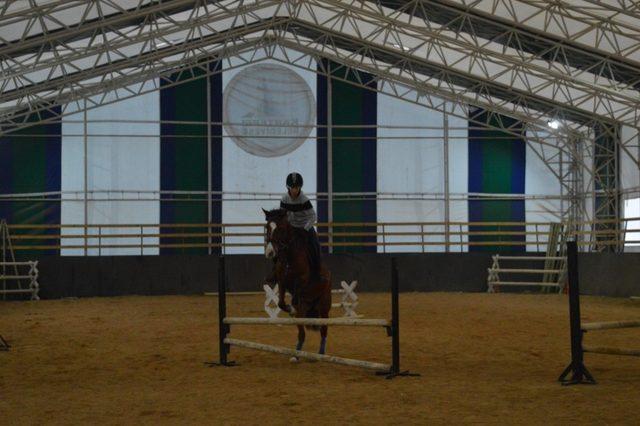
(269, 110)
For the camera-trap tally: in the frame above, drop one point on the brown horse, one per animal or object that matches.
(310, 295)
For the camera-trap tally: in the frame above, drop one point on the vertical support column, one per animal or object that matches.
(563, 195)
(577, 201)
(446, 182)
(606, 187)
(579, 373)
(85, 156)
(330, 160)
(572, 185)
(209, 167)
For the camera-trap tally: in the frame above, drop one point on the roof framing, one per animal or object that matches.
(525, 58)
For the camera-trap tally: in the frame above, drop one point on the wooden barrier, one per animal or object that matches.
(348, 303)
(349, 299)
(579, 373)
(236, 293)
(610, 325)
(251, 293)
(309, 355)
(553, 273)
(309, 321)
(15, 277)
(393, 330)
(610, 351)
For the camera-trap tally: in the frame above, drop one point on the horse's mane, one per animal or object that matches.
(280, 213)
(276, 213)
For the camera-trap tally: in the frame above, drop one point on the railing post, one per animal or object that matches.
(422, 235)
(384, 240)
(209, 238)
(223, 239)
(141, 240)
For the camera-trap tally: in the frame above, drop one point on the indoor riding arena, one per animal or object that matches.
(319, 212)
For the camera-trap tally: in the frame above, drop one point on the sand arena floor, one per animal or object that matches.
(139, 360)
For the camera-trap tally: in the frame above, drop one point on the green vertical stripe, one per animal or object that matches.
(349, 159)
(497, 162)
(28, 170)
(496, 166)
(347, 148)
(189, 151)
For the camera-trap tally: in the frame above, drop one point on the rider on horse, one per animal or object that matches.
(301, 215)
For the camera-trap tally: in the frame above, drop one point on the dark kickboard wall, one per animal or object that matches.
(600, 274)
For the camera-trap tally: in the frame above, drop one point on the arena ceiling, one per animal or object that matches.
(576, 61)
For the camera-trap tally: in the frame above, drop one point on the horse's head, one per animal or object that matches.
(278, 232)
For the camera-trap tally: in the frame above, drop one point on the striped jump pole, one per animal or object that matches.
(308, 321)
(310, 355)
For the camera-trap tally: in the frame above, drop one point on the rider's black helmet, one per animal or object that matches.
(294, 179)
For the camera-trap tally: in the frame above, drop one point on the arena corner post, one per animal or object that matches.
(395, 326)
(579, 373)
(223, 329)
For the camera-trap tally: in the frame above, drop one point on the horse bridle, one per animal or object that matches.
(281, 248)
(278, 243)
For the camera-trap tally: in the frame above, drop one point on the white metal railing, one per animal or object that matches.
(143, 239)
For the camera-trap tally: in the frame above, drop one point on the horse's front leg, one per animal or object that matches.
(323, 339)
(282, 303)
(324, 307)
(301, 337)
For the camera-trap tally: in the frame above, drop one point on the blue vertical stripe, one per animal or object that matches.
(475, 167)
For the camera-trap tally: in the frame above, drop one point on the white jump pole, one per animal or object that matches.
(309, 355)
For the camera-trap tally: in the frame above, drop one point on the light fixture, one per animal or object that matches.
(399, 46)
(554, 124)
